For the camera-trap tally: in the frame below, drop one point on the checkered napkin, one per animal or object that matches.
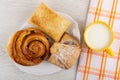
(99, 65)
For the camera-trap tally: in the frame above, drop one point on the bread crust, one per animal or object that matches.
(49, 22)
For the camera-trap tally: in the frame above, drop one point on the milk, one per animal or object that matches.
(98, 36)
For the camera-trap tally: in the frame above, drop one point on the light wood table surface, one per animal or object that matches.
(13, 13)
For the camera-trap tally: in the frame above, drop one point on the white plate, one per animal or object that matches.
(45, 67)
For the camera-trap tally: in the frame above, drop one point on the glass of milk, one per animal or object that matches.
(99, 36)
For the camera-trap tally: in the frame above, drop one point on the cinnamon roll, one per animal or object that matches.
(28, 47)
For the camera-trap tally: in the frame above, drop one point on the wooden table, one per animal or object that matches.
(13, 13)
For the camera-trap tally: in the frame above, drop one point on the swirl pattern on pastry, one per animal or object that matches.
(28, 47)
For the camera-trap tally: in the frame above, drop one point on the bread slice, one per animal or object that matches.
(49, 22)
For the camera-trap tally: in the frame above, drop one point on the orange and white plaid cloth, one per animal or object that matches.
(100, 66)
